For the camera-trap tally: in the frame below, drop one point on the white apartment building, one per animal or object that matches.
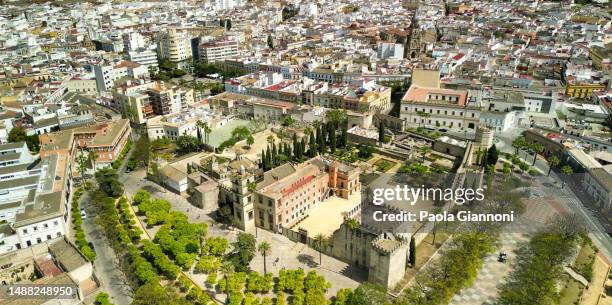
(33, 200)
(174, 46)
(172, 126)
(146, 58)
(217, 50)
(132, 41)
(107, 74)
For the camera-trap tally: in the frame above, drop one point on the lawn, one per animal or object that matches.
(384, 165)
(424, 251)
(584, 261)
(571, 292)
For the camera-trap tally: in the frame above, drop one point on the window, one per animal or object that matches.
(25, 231)
(38, 240)
(59, 234)
(48, 237)
(28, 243)
(46, 226)
(55, 223)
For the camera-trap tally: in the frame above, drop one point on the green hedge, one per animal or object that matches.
(80, 238)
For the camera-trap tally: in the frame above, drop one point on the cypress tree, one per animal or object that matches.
(268, 158)
(312, 146)
(412, 257)
(302, 147)
(262, 163)
(296, 148)
(274, 154)
(322, 144)
(344, 138)
(332, 138)
(288, 151)
(381, 133)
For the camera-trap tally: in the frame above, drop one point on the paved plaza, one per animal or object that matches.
(493, 274)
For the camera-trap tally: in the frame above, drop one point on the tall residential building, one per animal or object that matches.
(167, 100)
(174, 46)
(107, 74)
(217, 50)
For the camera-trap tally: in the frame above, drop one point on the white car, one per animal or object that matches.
(83, 214)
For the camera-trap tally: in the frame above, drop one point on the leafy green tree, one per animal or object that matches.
(519, 143)
(368, 294)
(337, 116)
(343, 296)
(187, 144)
(18, 134)
(102, 298)
(243, 251)
(250, 141)
(155, 294)
(365, 151)
(108, 183)
(381, 133)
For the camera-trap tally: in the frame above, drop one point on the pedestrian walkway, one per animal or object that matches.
(493, 273)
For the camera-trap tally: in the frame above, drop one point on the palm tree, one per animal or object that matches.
(227, 269)
(537, 149)
(207, 131)
(479, 155)
(93, 157)
(264, 248)
(553, 161)
(200, 125)
(81, 163)
(566, 170)
(424, 150)
(320, 242)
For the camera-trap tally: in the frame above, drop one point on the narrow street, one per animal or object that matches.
(112, 279)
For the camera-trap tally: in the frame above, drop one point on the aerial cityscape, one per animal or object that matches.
(314, 152)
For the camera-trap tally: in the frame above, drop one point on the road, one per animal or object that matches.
(112, 279)
(566, 196)
(596, 231)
